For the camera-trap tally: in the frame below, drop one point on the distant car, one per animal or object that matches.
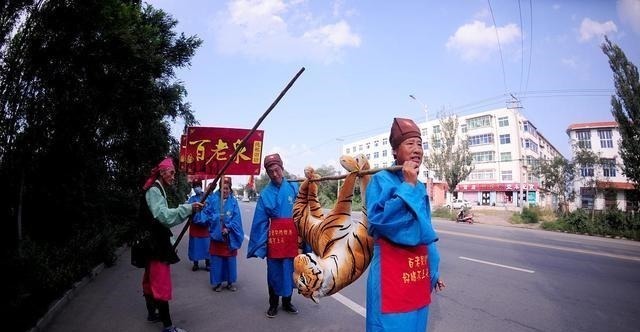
(459, 203)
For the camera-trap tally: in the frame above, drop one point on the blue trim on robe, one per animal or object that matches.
(399, 212)
(274, 202)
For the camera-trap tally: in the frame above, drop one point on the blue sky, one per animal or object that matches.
(363, 58)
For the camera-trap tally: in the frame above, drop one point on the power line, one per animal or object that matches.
(504, 75)
(521, 47)
(526, 87)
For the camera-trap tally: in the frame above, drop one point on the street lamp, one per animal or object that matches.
(426, 112)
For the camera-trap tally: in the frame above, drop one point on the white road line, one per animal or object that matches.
(496, 264)
(358, 309)
(547, 246)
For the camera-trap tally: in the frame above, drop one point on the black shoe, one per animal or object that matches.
(272, 312)
(217, 288)
(290, 308)
(195, 267)
(153, 318)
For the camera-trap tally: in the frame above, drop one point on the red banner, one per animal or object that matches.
(207, 150)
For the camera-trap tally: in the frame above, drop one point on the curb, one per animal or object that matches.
(59, 305)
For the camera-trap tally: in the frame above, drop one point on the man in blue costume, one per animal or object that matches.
(226, 236)
(404, 266)
(274, 235)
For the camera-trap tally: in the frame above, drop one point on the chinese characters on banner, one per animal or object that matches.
(497, 187)
(205, 150)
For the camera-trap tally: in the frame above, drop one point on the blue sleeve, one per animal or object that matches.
(434, 263)
(234, 225)
(259, 231)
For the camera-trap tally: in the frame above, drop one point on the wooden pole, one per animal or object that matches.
(211, 187)
(360, 173)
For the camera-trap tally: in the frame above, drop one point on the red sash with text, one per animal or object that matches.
(221, 248)
(283, 238)
(404, 275)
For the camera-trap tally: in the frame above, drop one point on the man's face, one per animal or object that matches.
(275, 174)
(409, 149)
(167, 176)
(226, 190)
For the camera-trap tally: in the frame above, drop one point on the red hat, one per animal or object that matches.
(272, 159)
(401, 129)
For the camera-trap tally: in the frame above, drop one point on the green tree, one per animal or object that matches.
(625, 107)
(449, 156)
(87, 96)
(557, 177)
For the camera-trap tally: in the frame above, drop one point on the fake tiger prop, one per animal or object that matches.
(342, 248)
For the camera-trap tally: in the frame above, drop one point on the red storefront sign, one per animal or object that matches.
(513, 186)
(207, 149)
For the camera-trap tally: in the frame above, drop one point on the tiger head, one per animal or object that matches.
(308, 275)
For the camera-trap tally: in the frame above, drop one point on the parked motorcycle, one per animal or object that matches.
(465, 216)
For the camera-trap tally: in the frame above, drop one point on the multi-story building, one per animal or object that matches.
(505, 148)
(601, 185)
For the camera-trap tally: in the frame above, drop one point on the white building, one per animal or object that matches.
(504, 146)
(602, 185)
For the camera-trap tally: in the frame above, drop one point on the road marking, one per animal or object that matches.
(496, 264)
(358, 309)
(546, 246)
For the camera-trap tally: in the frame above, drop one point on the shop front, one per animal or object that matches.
(498, 194)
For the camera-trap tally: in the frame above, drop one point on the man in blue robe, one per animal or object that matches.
(226, 236)
(273, 235)
(404, 266)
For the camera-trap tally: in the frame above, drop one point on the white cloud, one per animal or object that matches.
(629, 12)
(477, 41)
(281, 30)
(570, 62)
(593, 29)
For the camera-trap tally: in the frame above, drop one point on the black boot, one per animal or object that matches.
(195, 266)
(273, 303)
(288, 306)
(152, 309)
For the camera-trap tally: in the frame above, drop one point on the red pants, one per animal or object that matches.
(157, 280)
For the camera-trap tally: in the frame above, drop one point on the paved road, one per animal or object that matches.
(499, 279)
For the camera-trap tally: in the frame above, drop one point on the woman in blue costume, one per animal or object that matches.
(274, 235)
(198, 233)
(404, 266)
(225, 229)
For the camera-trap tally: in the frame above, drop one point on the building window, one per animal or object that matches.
(385, 141)
(436, 130)
(348, 150)
(360, 147)
(376, 155)
(606, 139)
(480, 139)
(479, 122)
(531, 145)
(608, 167)
(506, 176)
(368, 156)
(376, 143)
(384, 153)
(505, 156)
(584, 139)
(484, 174)
(463, 128)
(587, 196)
(529, 128)
(586, 171)
(368, 145)
(424, 132)
(505, 139)
(483, 157)
(503, 121)
(425, 145)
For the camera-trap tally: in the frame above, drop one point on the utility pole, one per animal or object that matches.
(339, 145)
